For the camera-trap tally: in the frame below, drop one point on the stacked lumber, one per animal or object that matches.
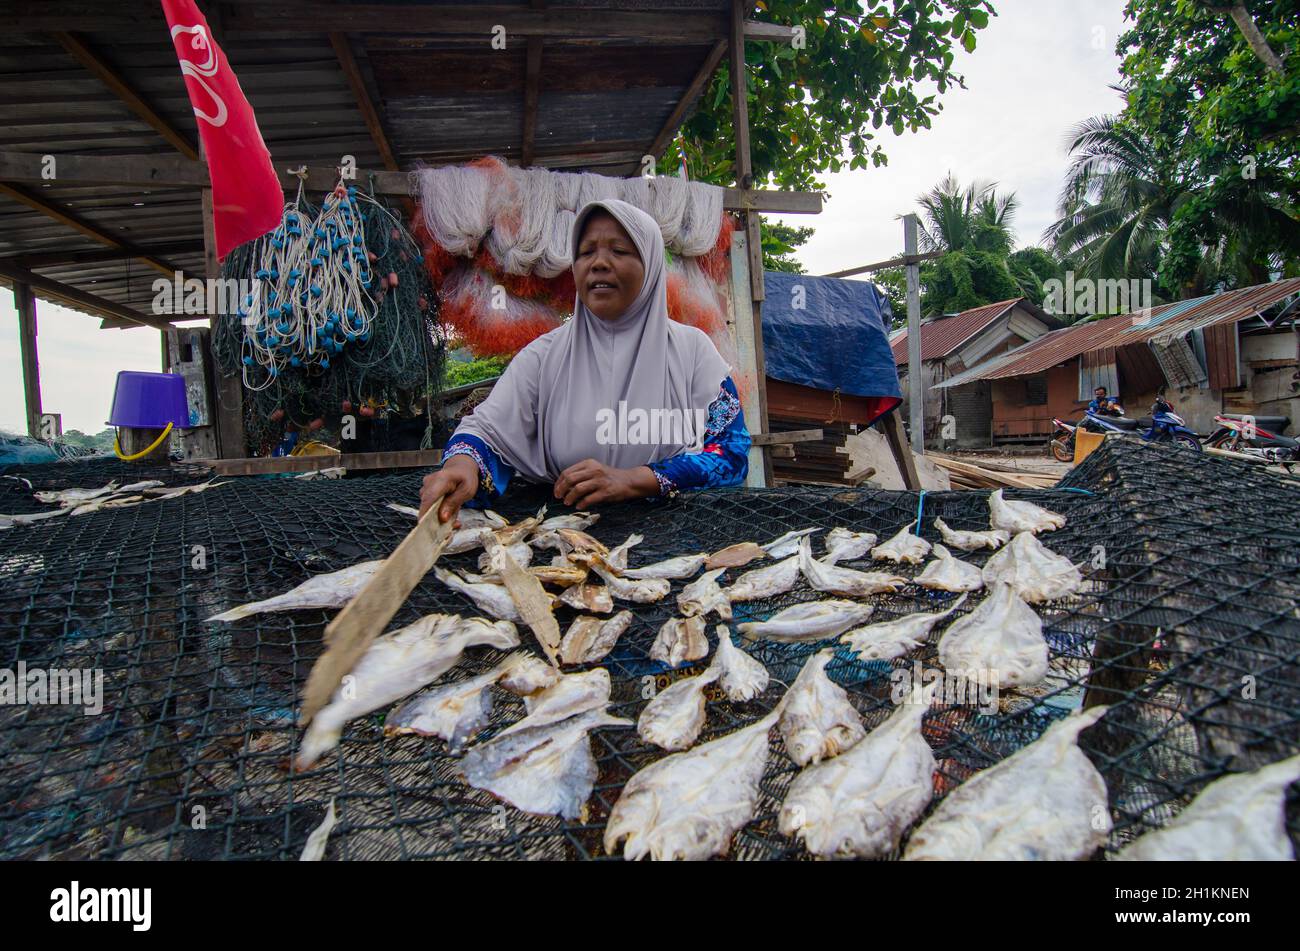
(822, 460)
(986, 475)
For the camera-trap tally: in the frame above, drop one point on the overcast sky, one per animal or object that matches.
(1039, 68)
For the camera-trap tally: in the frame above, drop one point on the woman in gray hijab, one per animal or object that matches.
(619, 403)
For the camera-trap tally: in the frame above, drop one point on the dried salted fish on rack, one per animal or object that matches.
(544, 770)
(846, 581)
(1046, 802)
(395, 665)
(569, 696)
(1012, 516)
(520, 552)
(683, 566)
(704, 595)
(735, 556)
(673, 718)
(947, 573)
(810, 621)
(589, 639)
(492, 598)
(616, 560)
(844, 545)
(330, 590)
(453, 712)
(535, 606)
(903, 547)
(1036, 573)
(787, 544)
(637, 590)
(588, 597)
(689, 805)
(740, 676)
(859, 804)
(1237, 818)
(578, 521)
(972, 541)
(889, 639)
(524, 674)
(765, 582)
(680, 640)
(817, 721)
(1001, 640)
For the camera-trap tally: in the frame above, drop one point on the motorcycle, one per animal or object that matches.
(1164, 426)
(1248, 436)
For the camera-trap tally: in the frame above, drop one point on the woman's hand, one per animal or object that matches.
(589, 483)
(457, 480)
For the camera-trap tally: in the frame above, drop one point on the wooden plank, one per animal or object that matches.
(81, 51)
(532, 86)
(369, 114)
(916, 374)
(403, 459)
(366, 615)
(893, 428)
(74, 221)
(761, 32)
(227, 391)
(64, 258)
(701, 81)
(786, 438)
(892, 262)
(25, 303)
(57, 290)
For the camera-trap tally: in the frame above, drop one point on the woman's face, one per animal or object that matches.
(607, 269)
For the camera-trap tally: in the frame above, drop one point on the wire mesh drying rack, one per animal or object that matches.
(1188, 627)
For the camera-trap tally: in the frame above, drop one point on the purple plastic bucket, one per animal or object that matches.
(149, 401)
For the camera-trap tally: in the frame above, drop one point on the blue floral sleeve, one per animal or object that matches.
(723, 461)
(494, 472)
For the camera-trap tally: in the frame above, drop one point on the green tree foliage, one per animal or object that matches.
(460, 373)
(864, 67)
(779, 245)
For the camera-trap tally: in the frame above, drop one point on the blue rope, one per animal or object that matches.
(920, 506)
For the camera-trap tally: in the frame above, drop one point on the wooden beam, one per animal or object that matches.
(915, 369)
(787, 438)
(25, 302)
(228, 392)
(693, 91)
(753, 235)
(63, 258)
(760, 32)
(404, 459)
(897, 439)
(532, 85)
(902, 261)
(79, 224)
(369, 114)
(81, 51)
(57, 290)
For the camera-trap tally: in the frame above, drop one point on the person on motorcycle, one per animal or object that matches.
(1104, 405)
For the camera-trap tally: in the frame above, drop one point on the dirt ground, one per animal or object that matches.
(1039, 462)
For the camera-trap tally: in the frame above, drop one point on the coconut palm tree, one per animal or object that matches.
(974, 218)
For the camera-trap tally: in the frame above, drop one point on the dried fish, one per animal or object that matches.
(314, 850)
(844, 545)
(947, 573)
(28, 518)
(740, 676)
(72, 497)
(680, 640)
(535, 606)
(1012, 516)
(1036, 573)
(520, 552)
(787, 544)
(673, 718)
(846, 581)
(735, 556)
(480, 518)
(588, 597)
(810, 621)
(1002, 639)
(640, 590)
(889, 639)
(404, 509)
(330, 590)
(492, 598)
(589, 639)
(765, 582)
(453, 712)
(1046, 802)
(396, 664)
(903, 547)
(524, 674)
(617, 557)
(573, 540)
(683, 566)
(545, 770)
(573, 520)
(704, 595)
(465, 539)
(1237, 818)
(817, 721)
(972, 541)
(689, 805)
(569, 696)
(859, 804)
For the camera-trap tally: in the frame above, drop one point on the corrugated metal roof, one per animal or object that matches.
(1167, 320)
(602, 101)
(942, 336)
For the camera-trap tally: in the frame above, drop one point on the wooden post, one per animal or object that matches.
(228, 393)
(753, 234)
(915, 374)
(897, 440)
(25, 302)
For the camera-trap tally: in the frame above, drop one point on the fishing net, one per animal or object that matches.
(1187, 628)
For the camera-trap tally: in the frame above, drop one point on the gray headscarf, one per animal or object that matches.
(542, 415)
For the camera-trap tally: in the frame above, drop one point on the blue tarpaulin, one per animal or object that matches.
(830, 334)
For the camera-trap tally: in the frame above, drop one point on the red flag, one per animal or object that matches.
(247, 200)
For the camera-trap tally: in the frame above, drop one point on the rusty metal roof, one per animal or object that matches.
(940, 337)
(1166, 320)
(605, 90)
